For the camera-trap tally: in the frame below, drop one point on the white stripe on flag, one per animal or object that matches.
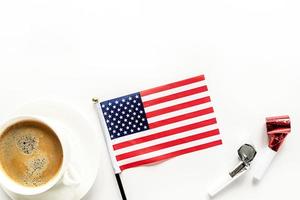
(179, 112)
(174, 90)
(169, 150)
(175, 101)
(166, 139)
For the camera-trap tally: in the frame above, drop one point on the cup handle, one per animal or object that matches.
(71, 177)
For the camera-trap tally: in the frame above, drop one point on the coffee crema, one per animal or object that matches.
(30, 153)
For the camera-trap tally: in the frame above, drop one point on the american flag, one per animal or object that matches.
(159, 123)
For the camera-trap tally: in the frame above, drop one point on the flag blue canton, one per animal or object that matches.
(125, 115)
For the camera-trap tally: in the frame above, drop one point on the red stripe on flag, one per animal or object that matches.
(181, 117)
(175, 96)
(164, 133)
(178, 107)
(170, 155)
(172, 85)
(167, 144)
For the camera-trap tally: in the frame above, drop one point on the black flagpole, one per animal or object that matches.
(118, 178)
(122, 191)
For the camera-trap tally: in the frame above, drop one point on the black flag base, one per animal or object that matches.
(121, 187)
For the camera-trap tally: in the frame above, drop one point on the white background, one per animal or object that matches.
(249, 51)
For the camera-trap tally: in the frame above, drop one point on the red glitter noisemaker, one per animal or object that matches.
(277, 129)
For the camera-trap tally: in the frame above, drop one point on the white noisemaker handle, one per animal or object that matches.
(222, 183)
(263, 163)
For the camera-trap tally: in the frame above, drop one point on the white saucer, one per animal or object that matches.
(85, 148)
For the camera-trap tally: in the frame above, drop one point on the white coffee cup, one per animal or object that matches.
(66, 174)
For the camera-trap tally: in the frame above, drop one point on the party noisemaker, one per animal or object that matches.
(246, 154)
(277, 130)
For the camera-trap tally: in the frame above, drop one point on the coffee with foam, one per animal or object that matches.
(30, 153)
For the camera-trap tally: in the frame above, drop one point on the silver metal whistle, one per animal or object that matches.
(246, 155)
